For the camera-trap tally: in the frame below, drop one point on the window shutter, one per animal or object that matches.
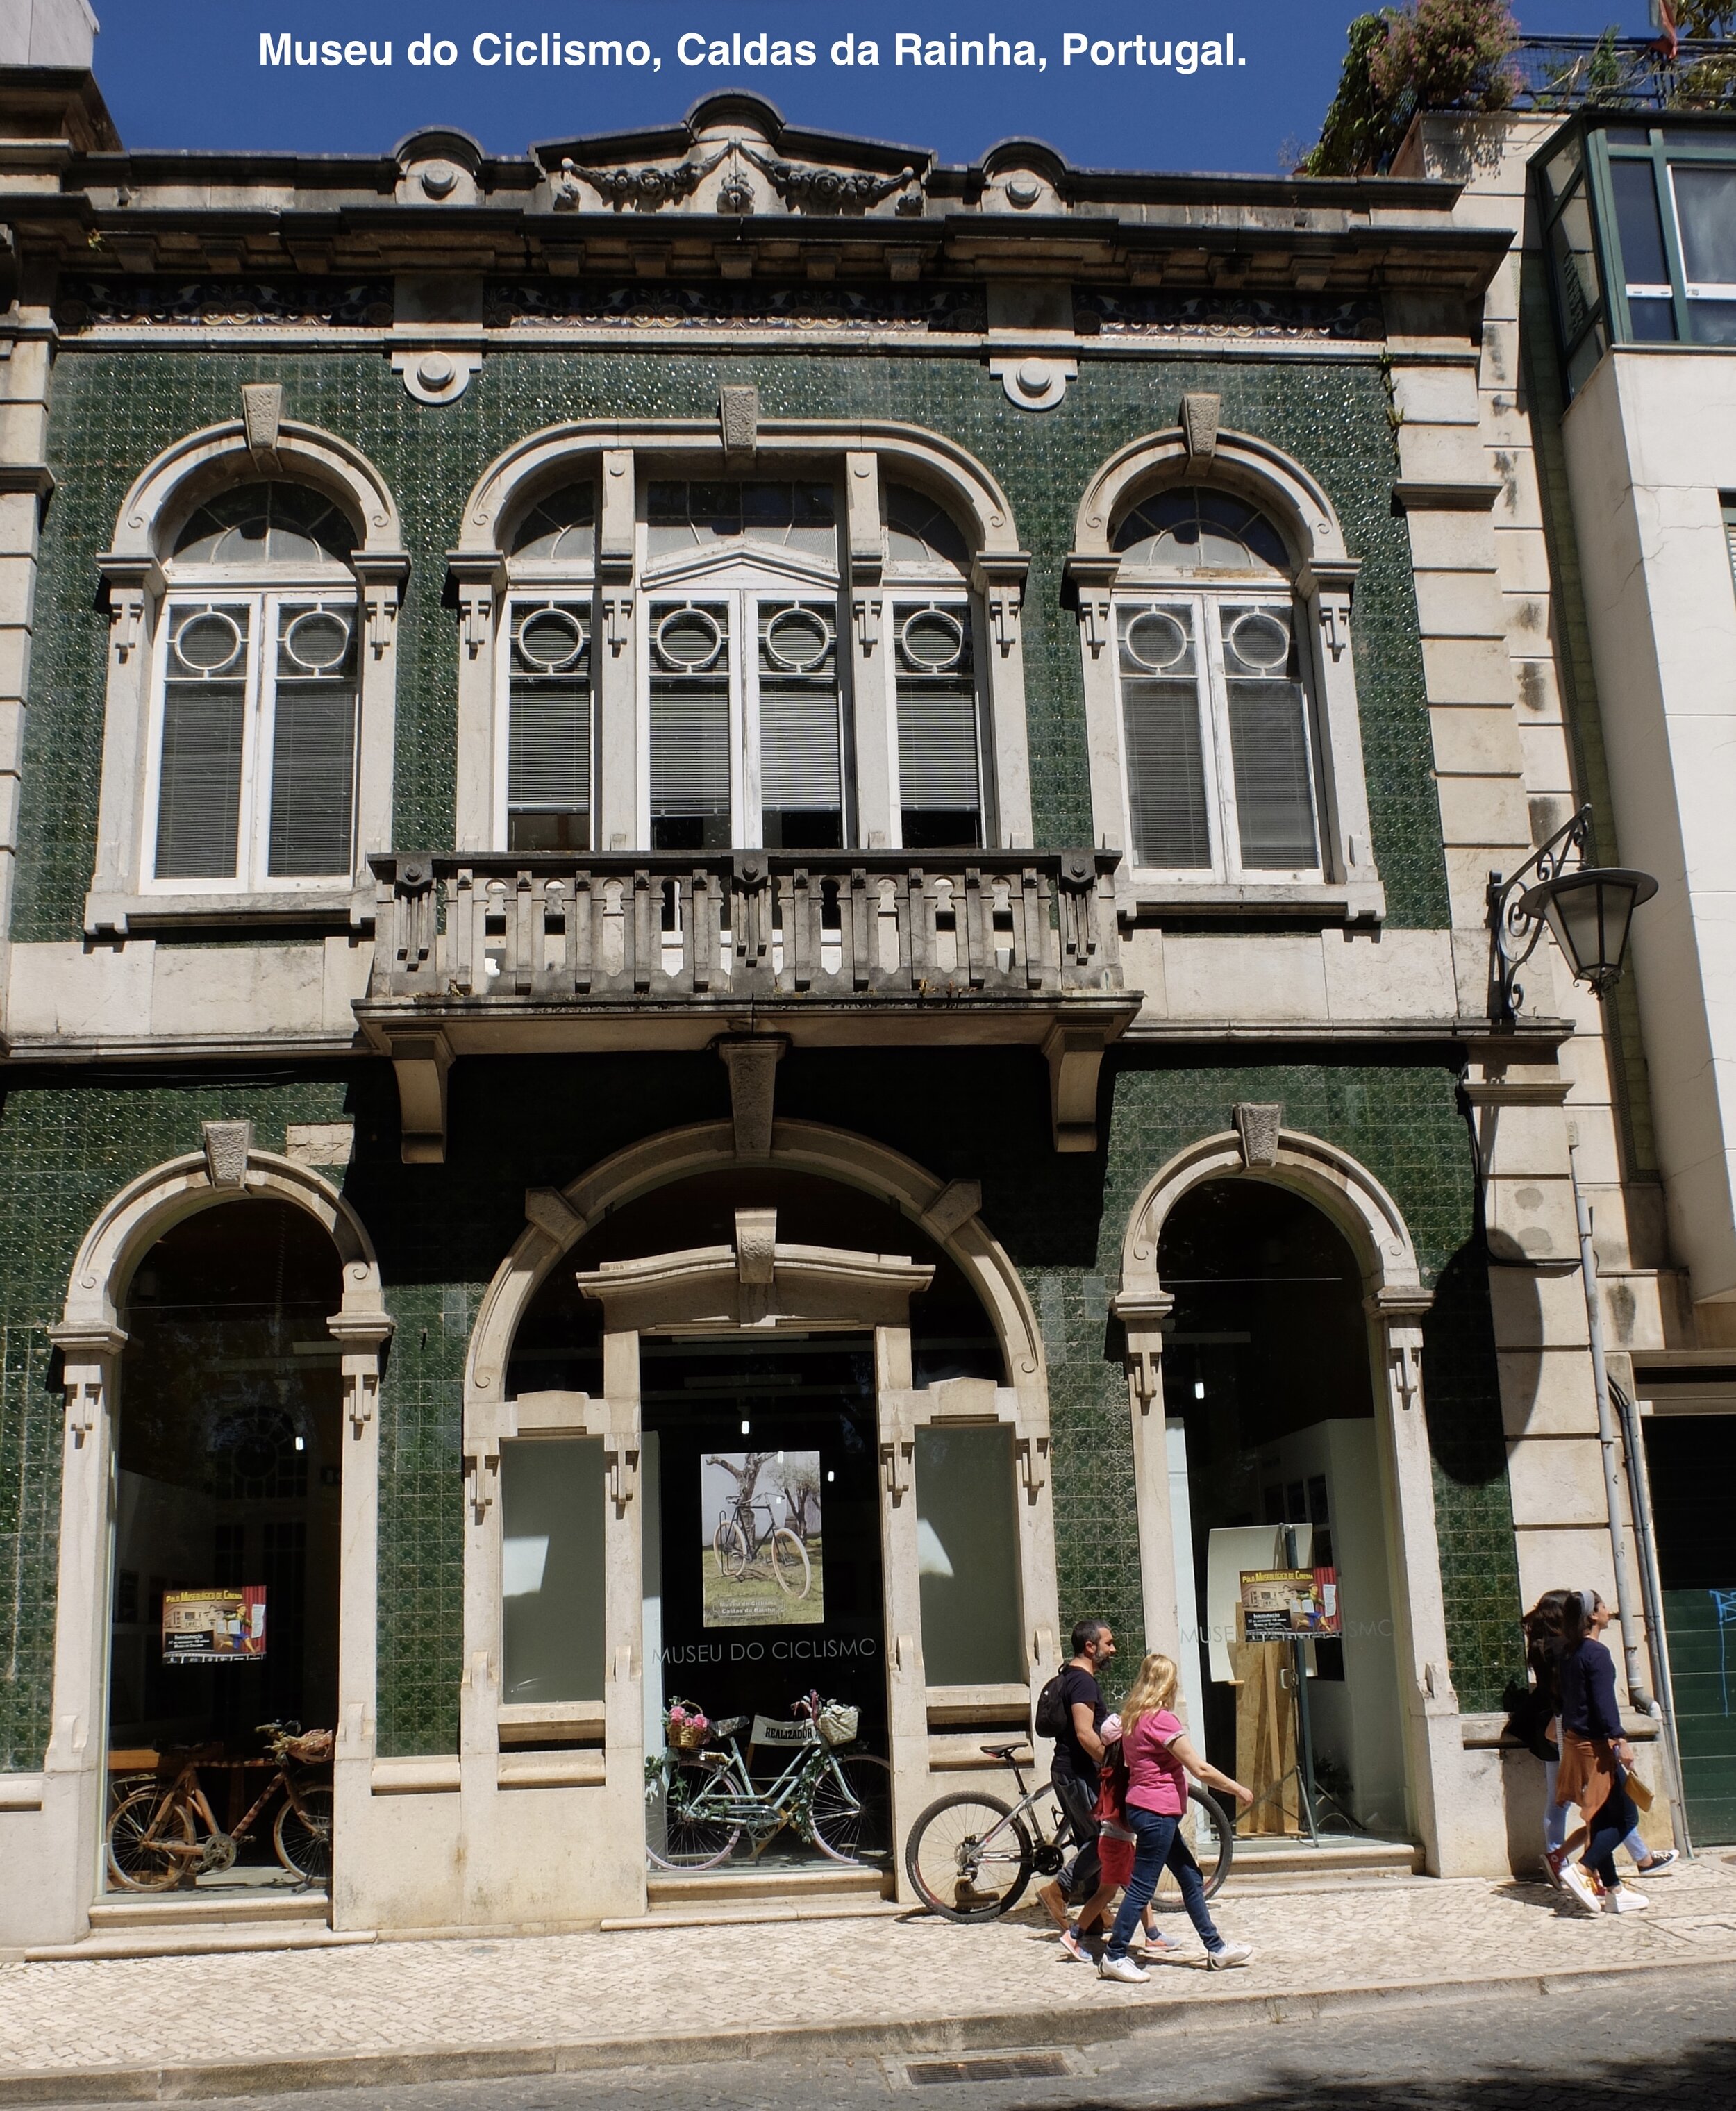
(1274, 806)
(313, 753)
(937, 750)
(548, 749)
(798, 749)
(198, 806)
(690, 750)
(1166, 775)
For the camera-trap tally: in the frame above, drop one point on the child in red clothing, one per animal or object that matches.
(1115, 1847)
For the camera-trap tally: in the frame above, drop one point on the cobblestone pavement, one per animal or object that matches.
(624, 1988)
(1662, 2041)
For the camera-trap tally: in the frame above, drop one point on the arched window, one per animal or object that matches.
(668, 646)
(1219, 745)
(940, 743)
(251, 771)
(548, 690)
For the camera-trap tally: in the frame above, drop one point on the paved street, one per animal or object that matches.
(552, 2011)
(1667, 2041)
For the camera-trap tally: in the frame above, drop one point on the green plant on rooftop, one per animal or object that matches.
(1431, 55)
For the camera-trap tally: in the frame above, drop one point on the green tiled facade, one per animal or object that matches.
(68, 1142)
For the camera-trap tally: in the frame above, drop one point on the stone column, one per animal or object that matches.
(24, 485)
(1144, 1312)
(906, 1678)
(363, 1337)
(1435, 1758)
(73, 1800)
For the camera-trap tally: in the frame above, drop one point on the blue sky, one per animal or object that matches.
(186, 73)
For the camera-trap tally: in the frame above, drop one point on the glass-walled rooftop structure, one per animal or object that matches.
(1639, 218)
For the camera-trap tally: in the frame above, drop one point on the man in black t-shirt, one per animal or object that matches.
(1078, 1749)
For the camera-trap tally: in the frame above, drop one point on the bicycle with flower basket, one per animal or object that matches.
(163, 1832)
(830, 1793)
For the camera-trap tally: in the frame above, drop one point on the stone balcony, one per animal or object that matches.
(516, 953)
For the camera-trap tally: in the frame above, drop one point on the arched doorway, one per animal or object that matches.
(229, 1462)
(1275, 1464)
(765, 1553)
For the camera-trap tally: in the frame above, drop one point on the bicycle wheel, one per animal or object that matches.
(137, 1863)
(302, 1838)
(1208, 1831)
(683, 1829)
(968, 1857)
(729, 1544)
(850, 1815)
(790, 1564)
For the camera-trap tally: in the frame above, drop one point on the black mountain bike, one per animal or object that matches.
(970, 1855)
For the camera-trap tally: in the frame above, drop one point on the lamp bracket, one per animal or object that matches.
(1514, 932)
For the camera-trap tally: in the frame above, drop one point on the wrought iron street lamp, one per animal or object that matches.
(1589, 909)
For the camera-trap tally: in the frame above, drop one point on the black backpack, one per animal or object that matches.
(1053, 1715)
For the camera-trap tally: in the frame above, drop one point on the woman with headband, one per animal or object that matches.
(1595, 1756)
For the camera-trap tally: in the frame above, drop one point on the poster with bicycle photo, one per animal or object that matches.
(760, 1524)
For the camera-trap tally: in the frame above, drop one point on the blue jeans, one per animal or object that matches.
(1159, 1845)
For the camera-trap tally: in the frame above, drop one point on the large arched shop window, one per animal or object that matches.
(697, 1393)
(252, 768)
(1220, 753)
(1266, 1368)
(228, 1468)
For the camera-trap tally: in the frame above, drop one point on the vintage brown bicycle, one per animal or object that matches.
(163, 1833)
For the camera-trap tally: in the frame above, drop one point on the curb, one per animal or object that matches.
(997, 2031)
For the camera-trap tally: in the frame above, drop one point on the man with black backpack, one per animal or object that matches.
(1070, 1709)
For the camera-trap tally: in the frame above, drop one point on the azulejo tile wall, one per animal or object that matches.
(65, 1146)
(112, 412)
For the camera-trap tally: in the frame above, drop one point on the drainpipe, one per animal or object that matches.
(1637, 1693)
(1651, 1588)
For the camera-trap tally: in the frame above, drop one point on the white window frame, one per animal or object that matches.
(232, 586)
(139, 574)
(1151, 588)
(908, 593)
(625, 457)
(742, 576)
(528, 588)
(1346, 886)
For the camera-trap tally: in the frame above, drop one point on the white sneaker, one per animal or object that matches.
(1123, 1968)
(1624, 1899)
(1232, 1953)
(1576, 1879)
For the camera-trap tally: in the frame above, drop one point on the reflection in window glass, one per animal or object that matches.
(686, 514)
(1194, 529)
(1706, 212)
(967, 1556)
(562, 527)
(267, 524)
(1269, 740)
(1575, 265)
(1645, 267)
(1160, 667)
(920, 532)
(551, 1570)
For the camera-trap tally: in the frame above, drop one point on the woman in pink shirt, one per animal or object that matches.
(1159, 1760)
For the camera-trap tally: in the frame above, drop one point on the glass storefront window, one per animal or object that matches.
(551, 1581)
(967, 1542)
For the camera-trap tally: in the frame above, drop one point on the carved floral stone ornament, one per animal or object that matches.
(645, 189)
(827, 190)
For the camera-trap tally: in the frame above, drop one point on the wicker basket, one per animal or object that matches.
(688, 1737)
(313, 1748)
(837, 1724)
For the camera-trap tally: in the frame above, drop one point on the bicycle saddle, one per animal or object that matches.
(731, 1726)
(1004, 1752)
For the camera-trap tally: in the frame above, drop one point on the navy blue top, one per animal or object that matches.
(1588, 1707)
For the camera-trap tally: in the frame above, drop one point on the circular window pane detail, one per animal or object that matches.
(933, 639)
(318, 641)
(1155, 641)
(208, 642)
(1261, 641)
(689, 639)
(550, 639)
(797, 640)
